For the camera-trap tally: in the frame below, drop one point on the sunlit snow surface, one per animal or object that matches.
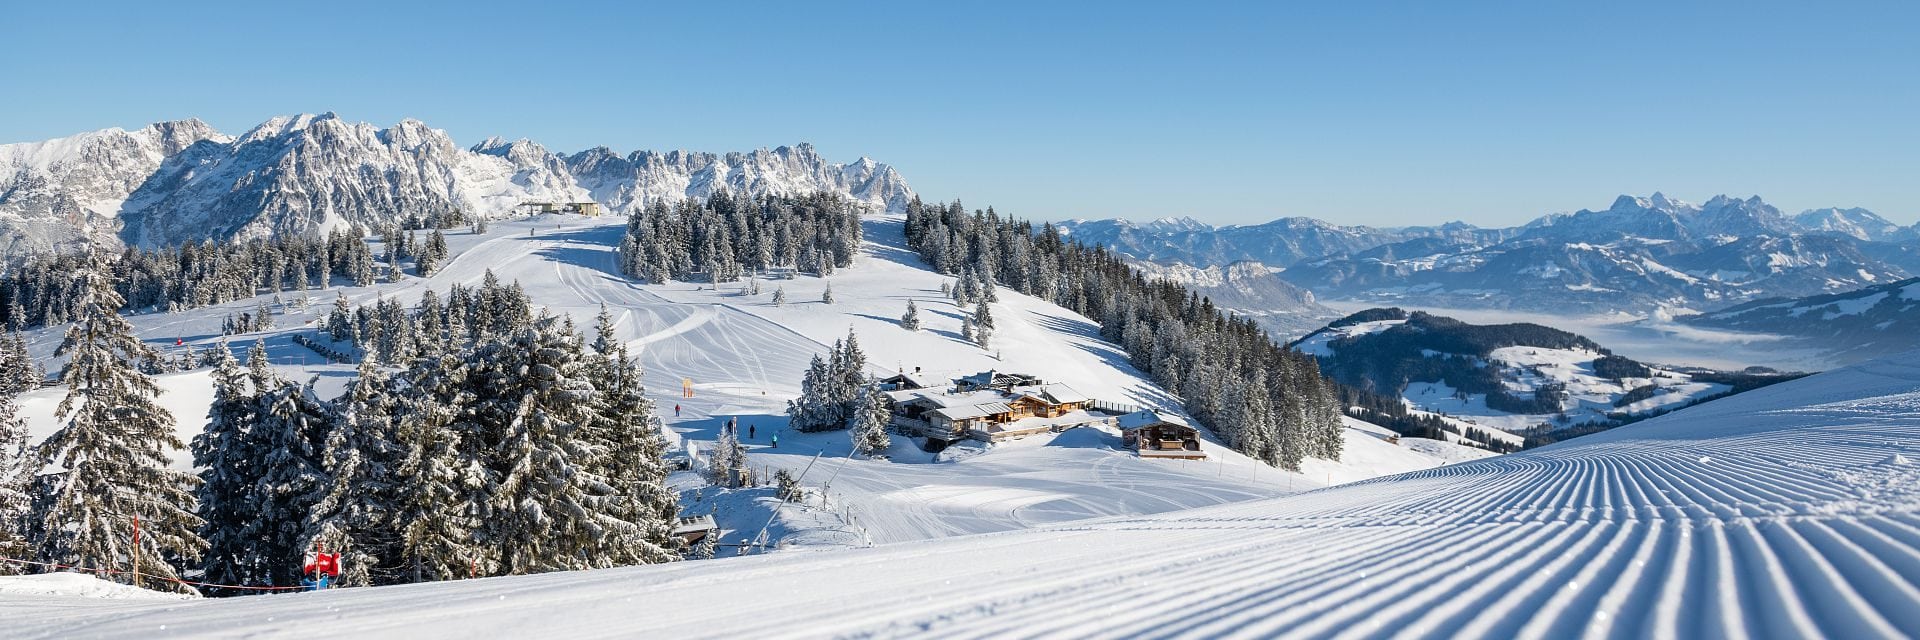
(1789, 512)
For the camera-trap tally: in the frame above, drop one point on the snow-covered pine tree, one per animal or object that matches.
(435, 507)
(812, 411)
(110, 452)
(780, 297)
(262, 317)
(532, 398)
(868, 422)
(826, 295)
(362, 460)
(17, 467)
(645, 510)
(340, 324)
(604, 339)
(228, 470)
(289, 431)
(911, 321)
(983, 316)
(966, 329)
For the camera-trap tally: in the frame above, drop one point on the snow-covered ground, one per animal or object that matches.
(744, 357)
(1793, 512)
(1590, 397)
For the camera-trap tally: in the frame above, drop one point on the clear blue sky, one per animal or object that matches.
(1358, 112)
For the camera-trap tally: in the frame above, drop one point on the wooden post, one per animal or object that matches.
(136, 551)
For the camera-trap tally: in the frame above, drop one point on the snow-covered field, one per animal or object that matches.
(745, 356)
(1590, 397)
(1792, 512)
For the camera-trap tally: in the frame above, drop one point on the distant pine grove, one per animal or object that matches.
(41, 291)
(724, 237)
(1266, 401)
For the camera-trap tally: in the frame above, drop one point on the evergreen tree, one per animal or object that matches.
(110, 452)
(340, 325)
(228, 470)
(868, 421)
(289, 431)
(362, 458)
(17, 467)
(780, 297)
(604, 340)
(911, 321)
(826, 295)
(645, 509)
(532, 399)
(434, 510)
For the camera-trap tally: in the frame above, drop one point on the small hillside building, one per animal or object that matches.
(1160, 435)
(981, 408)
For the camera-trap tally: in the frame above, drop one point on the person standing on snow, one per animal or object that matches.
(776, 441)
(749, 431)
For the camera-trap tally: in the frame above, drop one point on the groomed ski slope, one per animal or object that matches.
(1789, 512)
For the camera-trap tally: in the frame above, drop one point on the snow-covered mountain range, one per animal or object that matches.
(180, 181)
(1852, 326)
(1638, 255)
(1280, 242)
(1250, 289)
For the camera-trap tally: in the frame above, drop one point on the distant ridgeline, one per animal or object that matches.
(1508, 373)
(1850, 326)
(1265, 401)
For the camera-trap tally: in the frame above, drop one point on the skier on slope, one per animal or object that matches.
(749, 431)
(676, 411)
(776, 441)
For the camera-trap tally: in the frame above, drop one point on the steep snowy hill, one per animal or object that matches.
(1785, 514)
(181, 181)
(744, 358)
(1852, 326)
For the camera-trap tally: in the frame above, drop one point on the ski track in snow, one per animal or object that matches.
(1780, 513)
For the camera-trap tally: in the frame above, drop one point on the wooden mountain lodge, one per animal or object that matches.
(1158, 435)
(989, 406)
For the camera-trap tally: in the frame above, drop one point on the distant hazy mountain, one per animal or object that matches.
(1281, 242)
(1640, 254)
(1854, 325)
(1479, 382)
(1250, 289)
(182, 181)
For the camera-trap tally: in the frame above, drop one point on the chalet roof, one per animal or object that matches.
(1148, 418)
(695, 523)
(973, 411)
(1053, 393)
(940, 398)
(922, 379)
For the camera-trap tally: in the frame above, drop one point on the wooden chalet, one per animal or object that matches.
(691, 530)
(981, 411)
(1158, 435)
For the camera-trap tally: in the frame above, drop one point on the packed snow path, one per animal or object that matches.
(1791, 512)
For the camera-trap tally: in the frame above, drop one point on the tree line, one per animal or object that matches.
(726, 236)
(42, 292)
(1265, 401)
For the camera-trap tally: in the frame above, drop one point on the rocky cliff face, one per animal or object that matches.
(182, 181)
